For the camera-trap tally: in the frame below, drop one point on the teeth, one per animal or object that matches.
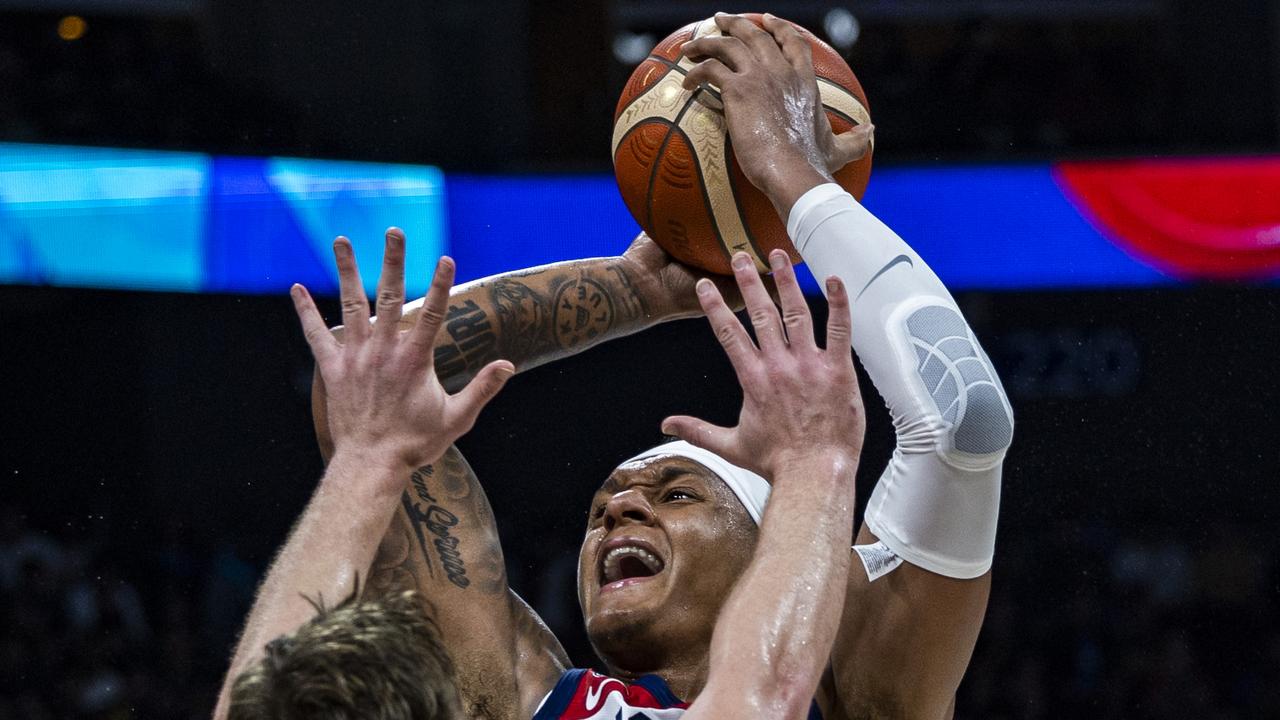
(613, 561)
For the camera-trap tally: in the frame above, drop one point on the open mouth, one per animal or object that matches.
(628, 562)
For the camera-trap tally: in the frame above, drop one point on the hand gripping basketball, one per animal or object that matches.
(799, 400)
(690, 177)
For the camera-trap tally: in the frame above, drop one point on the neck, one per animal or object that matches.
(684, 673)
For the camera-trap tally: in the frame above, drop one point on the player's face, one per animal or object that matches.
(666, 540)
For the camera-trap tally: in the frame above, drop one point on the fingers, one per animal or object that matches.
(732, 336)
(322, 341)
(431, 316)
(838, 322)
(852, 144)
(465, 406)
(793, 45)
(701, 433)
(761, 43)
(708, 72)
(795, 311)
(390, 297)
(764, 317)
(727, 49)
(355, 306)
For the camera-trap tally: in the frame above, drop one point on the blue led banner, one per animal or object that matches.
(189, 222)
(173, 221)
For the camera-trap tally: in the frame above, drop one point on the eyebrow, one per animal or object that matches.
(668, 474)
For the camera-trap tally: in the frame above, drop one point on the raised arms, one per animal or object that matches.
(801, 427)
(905, 639)
(443, 539)
(387, 415)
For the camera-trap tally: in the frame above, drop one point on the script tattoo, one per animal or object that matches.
(428, 517)
(474, 343)
(443, 508)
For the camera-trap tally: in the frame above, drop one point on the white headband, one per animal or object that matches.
(751, 489)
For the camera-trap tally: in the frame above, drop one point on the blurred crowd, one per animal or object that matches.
(1085, 621)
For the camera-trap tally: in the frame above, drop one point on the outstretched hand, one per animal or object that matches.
(799, 401)
(381, 390)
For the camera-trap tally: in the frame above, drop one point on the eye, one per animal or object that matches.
(679, 495)
(597, 512)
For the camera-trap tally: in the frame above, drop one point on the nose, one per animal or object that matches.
(629, 507)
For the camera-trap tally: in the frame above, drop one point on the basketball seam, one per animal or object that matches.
(622, 140)
(841, 115)
(618, 113)
(846, 91)
(657, 162)
(663, 61)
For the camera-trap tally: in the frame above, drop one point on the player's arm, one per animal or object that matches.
(507, 658)
(388, 414)
(538, 315)
(905, 639)
(443, 541)
(801, 427)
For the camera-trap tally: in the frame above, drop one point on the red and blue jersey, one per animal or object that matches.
(588, 695)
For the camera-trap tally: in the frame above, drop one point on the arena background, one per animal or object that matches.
(156, 436)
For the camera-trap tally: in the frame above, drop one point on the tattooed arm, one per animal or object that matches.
(532, 317)
(443, 540)
(387, 415)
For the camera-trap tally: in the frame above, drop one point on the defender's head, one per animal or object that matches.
(668, 534)
(378, 658)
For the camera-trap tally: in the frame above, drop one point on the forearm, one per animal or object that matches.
(532, 317)
(799, 571)
(331, 546)
(535, 316)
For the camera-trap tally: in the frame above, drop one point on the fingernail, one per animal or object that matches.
(295, 290)
(721, 12)
(741, 261)
(703, 287)
(507, 370)
(832, 285)
(666, 428)
(777, 259)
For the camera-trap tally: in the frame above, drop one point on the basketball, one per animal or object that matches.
(675, 166)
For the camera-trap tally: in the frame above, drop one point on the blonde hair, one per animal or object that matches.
(378, 658)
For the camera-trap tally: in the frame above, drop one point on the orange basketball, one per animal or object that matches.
(675, 165)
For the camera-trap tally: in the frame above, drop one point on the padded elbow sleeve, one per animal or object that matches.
(937, 503)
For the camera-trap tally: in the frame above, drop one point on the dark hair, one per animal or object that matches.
(378, 658)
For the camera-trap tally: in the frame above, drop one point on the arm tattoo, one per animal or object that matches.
(472, 343)
(442, 503)
(523, 316)
(576, 307)
(536, 316)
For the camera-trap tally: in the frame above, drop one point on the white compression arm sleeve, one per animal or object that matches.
(937, 503)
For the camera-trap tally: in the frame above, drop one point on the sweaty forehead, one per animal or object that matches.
(656, 470)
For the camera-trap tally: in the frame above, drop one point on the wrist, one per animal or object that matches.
(368, 467)
(786, 182)
(839, 463)
(658, 302)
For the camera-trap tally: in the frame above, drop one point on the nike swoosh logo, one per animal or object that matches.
(883, 270)
(594, 693)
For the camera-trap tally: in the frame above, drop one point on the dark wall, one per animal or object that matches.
(514, 85)
(136, 409)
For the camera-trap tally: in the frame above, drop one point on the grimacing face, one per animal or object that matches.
(666, 540)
